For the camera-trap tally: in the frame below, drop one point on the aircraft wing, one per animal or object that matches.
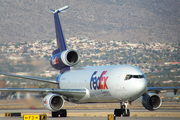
(68, 93)
(157, 89)
(31, 78)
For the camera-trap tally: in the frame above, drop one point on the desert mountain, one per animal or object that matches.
(128, 20)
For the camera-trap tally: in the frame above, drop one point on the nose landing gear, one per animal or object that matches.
(123, 111)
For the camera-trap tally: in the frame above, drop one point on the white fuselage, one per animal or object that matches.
(105, 83)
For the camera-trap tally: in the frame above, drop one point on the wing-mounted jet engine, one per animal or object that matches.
(53, 102)
(151, 101)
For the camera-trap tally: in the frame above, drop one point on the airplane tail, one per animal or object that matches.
(62, 58)
(61, 43)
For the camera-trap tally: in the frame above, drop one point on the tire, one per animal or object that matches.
(126, 114)
(55, 114)
(117, 112)
(63, 113)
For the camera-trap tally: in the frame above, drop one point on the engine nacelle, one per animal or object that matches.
(64, 59)
(151, 101)
(53, 102)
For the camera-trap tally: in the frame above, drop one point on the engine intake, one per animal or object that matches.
(72, 57)
(64, 59)
(53, 102)
(151, 101)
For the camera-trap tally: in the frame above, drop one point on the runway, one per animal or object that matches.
(84, 114)
(98, 118)
(85, 110)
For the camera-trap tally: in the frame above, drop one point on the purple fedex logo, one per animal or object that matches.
(98, 82)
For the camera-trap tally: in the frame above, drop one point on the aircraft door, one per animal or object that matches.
(119, 89)
(117, 85)
(123, 87)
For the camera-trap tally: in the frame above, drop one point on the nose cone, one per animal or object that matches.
(136, 88)
(140, 85)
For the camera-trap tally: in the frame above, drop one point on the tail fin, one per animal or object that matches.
(61, 43)
(62, 58)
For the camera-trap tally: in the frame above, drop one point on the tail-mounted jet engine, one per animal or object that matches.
(151, 101)
(64, 59)
(53, 102)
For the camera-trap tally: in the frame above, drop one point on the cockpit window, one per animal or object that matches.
(133, 76)
(141, 76)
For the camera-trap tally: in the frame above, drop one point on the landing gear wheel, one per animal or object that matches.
(55, 114)
(117, 112)
(63, 113)
(126, 113)
(123, 111)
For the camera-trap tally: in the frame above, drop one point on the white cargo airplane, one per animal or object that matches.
(117, 83)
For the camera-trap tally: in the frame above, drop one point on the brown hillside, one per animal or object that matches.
(132, 20)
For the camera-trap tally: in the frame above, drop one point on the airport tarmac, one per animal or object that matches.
(28, 112)
(98, 118)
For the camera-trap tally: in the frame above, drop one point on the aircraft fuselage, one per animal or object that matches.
(105, 83)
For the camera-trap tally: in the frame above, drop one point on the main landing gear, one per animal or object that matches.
(62, 113)
(123, 111)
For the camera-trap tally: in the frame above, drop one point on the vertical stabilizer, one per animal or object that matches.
(61, 43)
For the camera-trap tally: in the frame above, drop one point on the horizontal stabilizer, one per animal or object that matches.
(60, 9)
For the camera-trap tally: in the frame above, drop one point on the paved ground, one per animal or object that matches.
(79, 111)
(2, 112)
(97, 118)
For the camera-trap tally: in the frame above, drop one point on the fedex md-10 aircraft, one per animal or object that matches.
(98, 84)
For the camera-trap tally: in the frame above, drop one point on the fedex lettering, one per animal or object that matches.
(55, 60)
(98, 82)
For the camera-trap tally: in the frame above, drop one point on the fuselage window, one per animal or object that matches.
(133, 76)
